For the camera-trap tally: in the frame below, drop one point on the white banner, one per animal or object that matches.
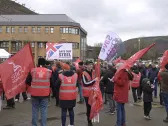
(61, 51)
(110, 48)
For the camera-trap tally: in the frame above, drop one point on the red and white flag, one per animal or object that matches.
(14, 71)
(95, 97)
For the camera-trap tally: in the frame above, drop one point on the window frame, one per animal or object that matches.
(25, 29)
(51, 30)
(7, 29)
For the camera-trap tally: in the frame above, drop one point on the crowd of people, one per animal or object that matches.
(65, 79)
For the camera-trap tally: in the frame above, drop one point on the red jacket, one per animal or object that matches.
(121, 87)
(136, 81)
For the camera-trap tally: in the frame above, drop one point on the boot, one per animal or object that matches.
(90, 124)
(166, 120)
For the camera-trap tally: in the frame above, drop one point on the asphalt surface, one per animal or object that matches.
(21, 115)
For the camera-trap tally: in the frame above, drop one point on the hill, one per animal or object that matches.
(133, 45)
(11, 7)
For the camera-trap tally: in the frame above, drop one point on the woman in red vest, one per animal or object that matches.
(67, 93)
(135, 83)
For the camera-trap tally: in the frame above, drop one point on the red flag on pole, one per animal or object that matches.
(76, 63)
(14, 71)
(163, 62)
(95, 97)
(129, 63)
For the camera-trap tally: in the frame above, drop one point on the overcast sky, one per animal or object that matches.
(128, 18)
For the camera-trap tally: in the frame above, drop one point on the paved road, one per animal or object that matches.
(21, 116)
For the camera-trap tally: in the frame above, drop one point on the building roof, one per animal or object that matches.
(40, 19)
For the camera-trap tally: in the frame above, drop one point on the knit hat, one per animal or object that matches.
(41, 61)
(65, 66)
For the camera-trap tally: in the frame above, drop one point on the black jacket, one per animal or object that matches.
(109, 84)
(147, 90)
(66, 103)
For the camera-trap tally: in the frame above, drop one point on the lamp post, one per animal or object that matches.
(139, 43)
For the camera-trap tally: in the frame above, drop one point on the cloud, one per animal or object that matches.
(129, 19)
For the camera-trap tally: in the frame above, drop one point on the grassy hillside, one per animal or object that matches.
(11, 7)
(133, 46)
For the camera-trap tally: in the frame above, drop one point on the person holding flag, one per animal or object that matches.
(164, 89)
(88, 80)
(39, 80)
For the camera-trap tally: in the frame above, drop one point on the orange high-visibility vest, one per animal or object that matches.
(86, 90)
(68, 90)
(136, 81)
(40, 85)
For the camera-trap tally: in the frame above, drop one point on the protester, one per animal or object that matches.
(164, 89)
(39, 81)
(135, 83)
(79, 71)
(55, 85)
(143, 70)
(67, 93)
(147, 88)
(88, 79)
(110, 88)
(152, 75)
(121, 89)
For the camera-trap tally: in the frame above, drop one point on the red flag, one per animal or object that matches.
(14, 71)
(118, 60)
(129, 63)
(95, 97)
(76, 63)
(163, 62)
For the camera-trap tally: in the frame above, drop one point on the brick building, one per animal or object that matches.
(17, 30)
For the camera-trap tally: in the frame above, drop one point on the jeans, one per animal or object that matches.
(64, 113)
(147, 108)
(155, 89)
(111, 102)
(120, 114)
(134, 93)
(165, 99)
(42, 105)
(80, 92)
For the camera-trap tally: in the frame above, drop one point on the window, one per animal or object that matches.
(0, 29)
(69, 30)
(33, 29)
(66, 30)
(61, 30)
(38, 29)
(46, 30)
(51, 29)
(76, 31)
(20, 29)
(25, 29)
(7, 30)
(73, 30)
(75, 45)
(16, 46)
(4, 44)
(12, 29)
(32, 44)
(40, 45)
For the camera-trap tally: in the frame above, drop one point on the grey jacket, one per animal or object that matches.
(164, 81)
